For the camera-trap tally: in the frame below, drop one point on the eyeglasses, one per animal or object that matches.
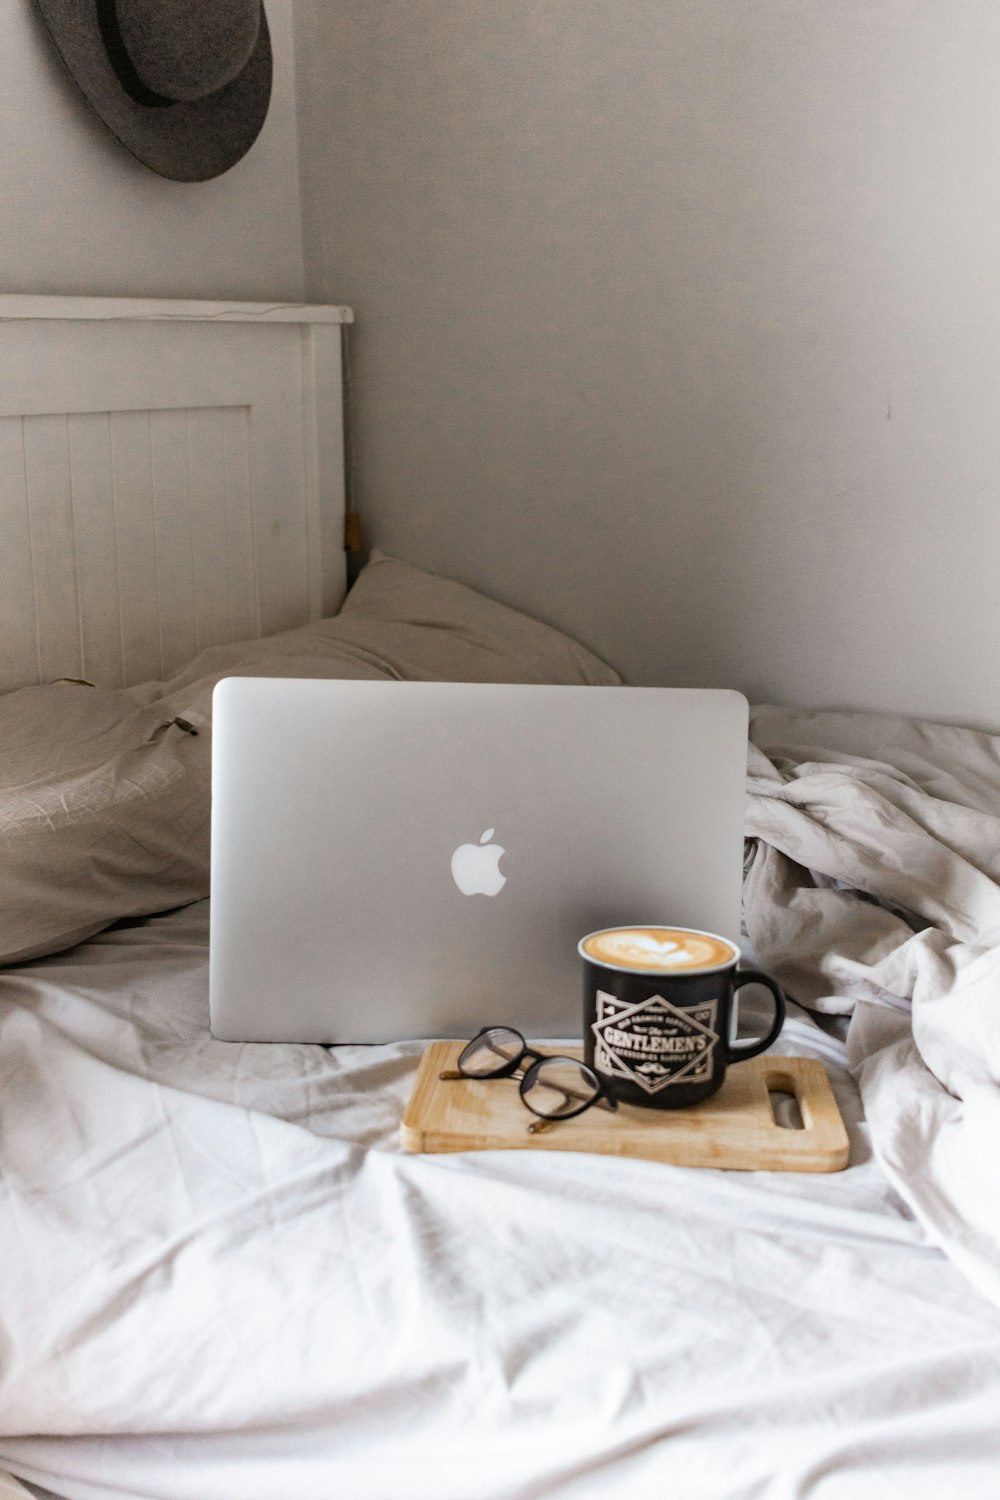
(552, 1087)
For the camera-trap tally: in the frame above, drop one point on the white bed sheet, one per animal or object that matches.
(222, 1278)
(873, 891)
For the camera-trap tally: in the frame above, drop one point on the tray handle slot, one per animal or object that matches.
(788, 1110)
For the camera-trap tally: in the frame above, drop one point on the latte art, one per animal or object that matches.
(659, 950)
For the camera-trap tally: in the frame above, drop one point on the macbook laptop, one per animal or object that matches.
(394, 860)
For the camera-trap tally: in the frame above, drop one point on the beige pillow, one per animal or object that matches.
(104, 799)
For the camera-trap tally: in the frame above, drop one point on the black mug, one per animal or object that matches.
(658, 1012)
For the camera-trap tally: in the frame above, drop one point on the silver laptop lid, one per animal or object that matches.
(409, 859)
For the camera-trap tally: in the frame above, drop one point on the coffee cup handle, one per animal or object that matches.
(740, 1051)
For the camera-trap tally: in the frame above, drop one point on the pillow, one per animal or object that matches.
(105, 792)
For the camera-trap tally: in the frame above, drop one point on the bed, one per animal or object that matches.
(220, 1275)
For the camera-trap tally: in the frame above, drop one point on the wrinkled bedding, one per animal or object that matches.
(221, 1277)
(873, 890)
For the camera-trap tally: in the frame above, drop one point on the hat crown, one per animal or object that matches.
(188, 49)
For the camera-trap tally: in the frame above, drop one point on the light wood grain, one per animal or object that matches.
(735, 1129)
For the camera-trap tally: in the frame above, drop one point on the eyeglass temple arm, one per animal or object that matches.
(606, 1099)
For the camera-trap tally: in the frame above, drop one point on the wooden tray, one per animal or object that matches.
(735, 1129)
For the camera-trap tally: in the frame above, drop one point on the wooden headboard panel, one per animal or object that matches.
(171, 477)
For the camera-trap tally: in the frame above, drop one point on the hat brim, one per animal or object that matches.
(188, 141)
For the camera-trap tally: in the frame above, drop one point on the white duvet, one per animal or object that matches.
(874, 890)
(222, 1280)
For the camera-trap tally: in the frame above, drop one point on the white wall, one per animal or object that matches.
(679, 324)
(78, 214)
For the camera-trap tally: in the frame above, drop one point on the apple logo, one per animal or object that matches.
(475, 868)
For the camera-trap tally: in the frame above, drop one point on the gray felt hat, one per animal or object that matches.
(184, 84)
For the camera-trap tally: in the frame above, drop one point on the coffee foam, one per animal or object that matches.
(658, 950)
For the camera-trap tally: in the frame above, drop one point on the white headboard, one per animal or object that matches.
(171, 477)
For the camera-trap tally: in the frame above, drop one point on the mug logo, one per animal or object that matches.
(475, 868)
(654, 1043)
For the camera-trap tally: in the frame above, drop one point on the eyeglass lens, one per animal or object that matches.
(559, 1086)
(491, 1051)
